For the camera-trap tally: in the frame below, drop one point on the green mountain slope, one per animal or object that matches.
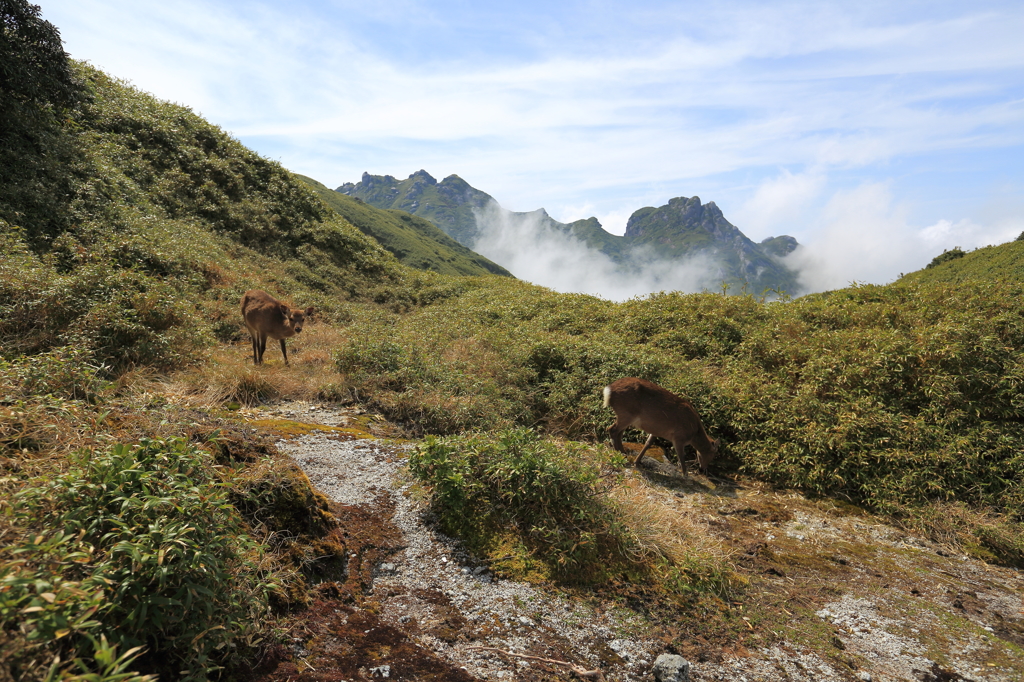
(684, 227)
(163, 221)
(414, 241)
(449, 204)
(1004, 262)
(590, 232)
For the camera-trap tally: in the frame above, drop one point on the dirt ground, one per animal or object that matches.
(830, 592)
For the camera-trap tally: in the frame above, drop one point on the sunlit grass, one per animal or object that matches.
(230, 377)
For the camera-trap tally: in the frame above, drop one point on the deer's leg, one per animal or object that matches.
(679, 446)
(255, 349)
(262, 348)
(650, 439)
(284, 352)
(615, 431)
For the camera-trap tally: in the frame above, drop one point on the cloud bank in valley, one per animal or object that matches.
(860, 234)
(531, 249)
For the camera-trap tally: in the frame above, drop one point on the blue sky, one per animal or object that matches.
(877, 133)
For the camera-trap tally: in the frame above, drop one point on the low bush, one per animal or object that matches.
(123, 318)
(137, 546)
(561, 510)
(548, 495)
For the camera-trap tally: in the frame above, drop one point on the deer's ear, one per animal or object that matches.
(309, 311)
(285, 310)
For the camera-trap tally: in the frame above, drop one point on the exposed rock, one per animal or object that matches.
(671, 668)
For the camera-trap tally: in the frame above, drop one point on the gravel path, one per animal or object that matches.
(430, 585)
(431, 576)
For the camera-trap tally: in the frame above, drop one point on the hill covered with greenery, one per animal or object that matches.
(140, 511)
(1003, 262)
(414, 241)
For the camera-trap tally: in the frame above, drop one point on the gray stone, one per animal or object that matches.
(671, 668)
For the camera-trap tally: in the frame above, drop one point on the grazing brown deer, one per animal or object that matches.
(268, 318)
(650, 408)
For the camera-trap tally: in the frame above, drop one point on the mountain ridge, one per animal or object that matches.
(678, 233)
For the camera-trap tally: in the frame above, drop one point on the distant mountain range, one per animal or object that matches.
(684, 232)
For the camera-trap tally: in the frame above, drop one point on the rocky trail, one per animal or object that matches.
(832, 593)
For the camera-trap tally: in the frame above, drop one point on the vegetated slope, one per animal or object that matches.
(1004, 262)
(904, 398)
(682, 230)
(163, 222)
(129, 228)
(449, 204)
(894, 397)
(414, 241)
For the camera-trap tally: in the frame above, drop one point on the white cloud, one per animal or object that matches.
(863, 236)
(524, 244)
(967, 234)
(779, 204)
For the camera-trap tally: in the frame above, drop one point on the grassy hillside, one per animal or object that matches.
(1004, 262)
(414, 241)
(127, 522)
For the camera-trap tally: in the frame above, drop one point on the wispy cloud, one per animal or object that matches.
(864, 236)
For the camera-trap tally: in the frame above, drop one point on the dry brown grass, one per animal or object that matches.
(663, 525)
(981, 533)
(230, 376)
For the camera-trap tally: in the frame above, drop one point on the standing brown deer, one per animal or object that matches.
(266, 317)
(650, 408)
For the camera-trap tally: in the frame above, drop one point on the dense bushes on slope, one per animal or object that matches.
(888, 396)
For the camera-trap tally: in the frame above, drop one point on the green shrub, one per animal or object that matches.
(514, 481)
(66, 372)
(887, 396)
(946, 256)
(139, 547)
(123, 318)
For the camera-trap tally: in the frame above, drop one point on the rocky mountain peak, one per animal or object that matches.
(780, 246)
(420, 176)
